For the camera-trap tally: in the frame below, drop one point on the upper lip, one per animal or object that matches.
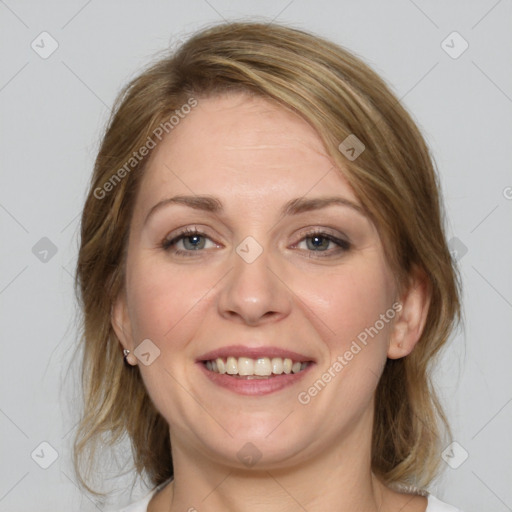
(253, 353)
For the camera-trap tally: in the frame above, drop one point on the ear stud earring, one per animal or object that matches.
(126, 352)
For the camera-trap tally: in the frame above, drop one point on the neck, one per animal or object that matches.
(338, 478)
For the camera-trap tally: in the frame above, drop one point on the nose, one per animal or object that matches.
(253, 293)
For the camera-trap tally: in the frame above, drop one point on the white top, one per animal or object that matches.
(433, 504)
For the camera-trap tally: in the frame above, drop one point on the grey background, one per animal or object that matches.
(53, 111)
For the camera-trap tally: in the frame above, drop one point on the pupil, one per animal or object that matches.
(194, 241)
(319, 242)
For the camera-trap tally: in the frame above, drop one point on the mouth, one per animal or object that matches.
(256, 371)
(260, 368)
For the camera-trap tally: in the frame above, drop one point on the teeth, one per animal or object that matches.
(246, 366)
(231, 366)
(255, 368)
(277, 365)
(262, 367)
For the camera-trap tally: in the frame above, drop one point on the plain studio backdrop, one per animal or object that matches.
(62, 66)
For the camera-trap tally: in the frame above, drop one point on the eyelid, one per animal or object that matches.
(342, 242)
(319, 230)
(172, 239)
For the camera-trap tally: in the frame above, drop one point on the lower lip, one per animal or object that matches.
(254, 387)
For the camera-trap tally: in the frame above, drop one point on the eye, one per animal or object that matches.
(191, 240)
(322, 242)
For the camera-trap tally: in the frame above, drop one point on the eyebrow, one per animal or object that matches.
(293, 207)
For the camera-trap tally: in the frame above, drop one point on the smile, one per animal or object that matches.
(259, 368)
(254, 370)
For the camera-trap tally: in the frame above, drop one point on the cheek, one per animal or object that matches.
(163, 299)
(167, 306)
(349, 303)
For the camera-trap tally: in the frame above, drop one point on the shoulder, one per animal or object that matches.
(142, 505)
(139, 506)
(436, 505)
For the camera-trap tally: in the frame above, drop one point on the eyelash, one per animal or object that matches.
(342, 245)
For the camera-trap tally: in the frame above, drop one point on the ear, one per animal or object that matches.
(121, 324)
(410, 321)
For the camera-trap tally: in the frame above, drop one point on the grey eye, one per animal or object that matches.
(317, 242)
(194, 242)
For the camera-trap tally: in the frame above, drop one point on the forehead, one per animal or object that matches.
(242, 148)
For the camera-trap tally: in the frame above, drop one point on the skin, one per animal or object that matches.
(255, 156)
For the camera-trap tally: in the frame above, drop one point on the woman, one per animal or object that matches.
(263, 241)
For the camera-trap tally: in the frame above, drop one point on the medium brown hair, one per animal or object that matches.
(394, 178)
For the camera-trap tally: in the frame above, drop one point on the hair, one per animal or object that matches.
(394, 179)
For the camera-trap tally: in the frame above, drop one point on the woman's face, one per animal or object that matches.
(284, 265)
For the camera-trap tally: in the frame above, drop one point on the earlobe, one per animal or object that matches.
(120, 321)
(410, 322)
